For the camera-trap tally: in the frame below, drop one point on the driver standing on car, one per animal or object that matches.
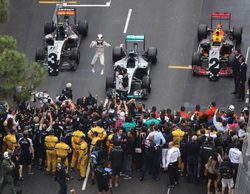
(218, 34)
(99, 44)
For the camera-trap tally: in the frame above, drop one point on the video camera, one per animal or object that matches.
(90, 100)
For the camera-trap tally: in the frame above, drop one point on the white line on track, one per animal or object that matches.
(107, 4)
(247, 54)
(86, 178)
(127, 21)
(168, 191)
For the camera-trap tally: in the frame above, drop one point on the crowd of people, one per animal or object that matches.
(123, 135)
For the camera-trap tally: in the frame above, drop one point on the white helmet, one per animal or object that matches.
(68, 85)
(99, 38)
(6, 155)
(231, 108)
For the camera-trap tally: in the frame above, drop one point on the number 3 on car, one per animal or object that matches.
(214, 65)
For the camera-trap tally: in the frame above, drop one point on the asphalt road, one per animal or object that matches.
(170, 25)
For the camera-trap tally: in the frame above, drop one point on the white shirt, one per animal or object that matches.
(235, 156)
(242, 133)
(173, 155)
(219, 126)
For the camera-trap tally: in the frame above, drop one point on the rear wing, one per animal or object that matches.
(63, 11)
(135, 38)
(219, 16)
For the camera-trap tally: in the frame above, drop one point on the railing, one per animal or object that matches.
(243, 177)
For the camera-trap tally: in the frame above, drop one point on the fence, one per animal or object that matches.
(243, 177)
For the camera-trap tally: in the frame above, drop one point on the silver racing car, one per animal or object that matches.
(62, 41)
(132, 67)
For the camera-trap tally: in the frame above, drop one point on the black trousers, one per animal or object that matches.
(173, 173)
(235, 84)
(241, 89)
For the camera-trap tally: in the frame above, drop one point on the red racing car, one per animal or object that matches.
(214, 56)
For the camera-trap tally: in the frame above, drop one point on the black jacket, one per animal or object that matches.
(236, 65)
(116, 157)
(242, 75)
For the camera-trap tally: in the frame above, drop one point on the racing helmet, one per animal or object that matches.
(219, 26)
(68, 85)
(99, 39)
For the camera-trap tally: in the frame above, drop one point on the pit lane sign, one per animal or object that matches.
(214, 64)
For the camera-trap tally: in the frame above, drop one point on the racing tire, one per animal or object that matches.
(237, 34)
(110, 83)
(202, 31)
(196, 59)
(146, 83)
(231, 59)
(40, 54)
(75, 55)
(82, 28)
(152, 55)
(117, 54)
(49, 27)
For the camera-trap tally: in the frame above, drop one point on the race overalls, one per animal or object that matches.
(50, 142)
(76, 143)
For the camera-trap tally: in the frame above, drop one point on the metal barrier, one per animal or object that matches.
(242, 185)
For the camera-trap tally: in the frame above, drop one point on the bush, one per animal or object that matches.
(4, 10)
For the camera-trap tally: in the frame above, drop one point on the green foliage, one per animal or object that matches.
(7, 42)
(4, 10)
(15, 70)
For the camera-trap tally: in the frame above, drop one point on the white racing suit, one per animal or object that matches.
(99, 52)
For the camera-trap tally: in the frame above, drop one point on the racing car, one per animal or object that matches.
(135, 61)
(62, 41)
(214, 56)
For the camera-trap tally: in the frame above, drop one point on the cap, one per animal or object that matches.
(6, 155)
(231, 108)
(68, 85)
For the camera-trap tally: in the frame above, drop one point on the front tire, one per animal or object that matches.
(146, 83)
(40, 54)
(75, 55)
(110, 83)
(117, 54)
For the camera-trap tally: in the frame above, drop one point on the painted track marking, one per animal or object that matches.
(107, 4)
(179, 67)
(86, 178)
(56, 2)
(127, 21)
(247, 54)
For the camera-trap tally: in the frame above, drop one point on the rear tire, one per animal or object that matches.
(49, 27)
(110, 84)
(196, 59)
(82, 28)
(237, 34)
(117, 54)
(75, 55)
(40, 54)
(152, 55)
(202, 31)
(146, 83)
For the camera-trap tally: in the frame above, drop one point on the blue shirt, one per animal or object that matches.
(158, 138)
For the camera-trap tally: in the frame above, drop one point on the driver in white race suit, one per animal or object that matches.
(99, 44)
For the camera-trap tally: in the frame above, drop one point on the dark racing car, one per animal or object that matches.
(132, 68)
(62, 41)
(214, 56)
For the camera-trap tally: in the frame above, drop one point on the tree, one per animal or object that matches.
(4, 10)
(16, 71)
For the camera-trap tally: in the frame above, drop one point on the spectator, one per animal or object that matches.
(212, 172)
(193, 149)
(116, 158)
